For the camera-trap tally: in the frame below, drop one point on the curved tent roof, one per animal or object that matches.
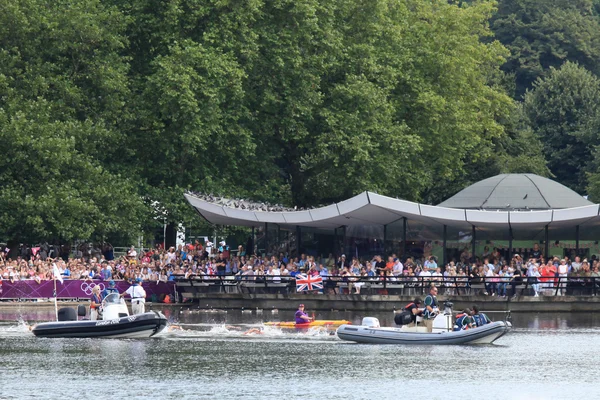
(516, 192)
(370, 208)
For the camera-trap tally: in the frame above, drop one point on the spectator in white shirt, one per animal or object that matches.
(398, 268)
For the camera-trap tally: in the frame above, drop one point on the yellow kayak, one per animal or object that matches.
(319, 322)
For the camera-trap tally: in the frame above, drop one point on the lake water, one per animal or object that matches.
(546, 356)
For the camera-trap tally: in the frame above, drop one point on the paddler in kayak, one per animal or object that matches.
(301, 316)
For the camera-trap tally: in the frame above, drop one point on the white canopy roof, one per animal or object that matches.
(509, 192)
(370, 208)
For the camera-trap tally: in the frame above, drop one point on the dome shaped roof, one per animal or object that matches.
(516, 192)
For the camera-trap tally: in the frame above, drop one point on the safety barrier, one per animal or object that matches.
(73, 289)
(411, 286)
(195, 286)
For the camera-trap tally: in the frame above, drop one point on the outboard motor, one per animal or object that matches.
(81, 310)
(448, 307)
(370, 322)
(67, 314)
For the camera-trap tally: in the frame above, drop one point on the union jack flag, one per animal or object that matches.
(307, 282)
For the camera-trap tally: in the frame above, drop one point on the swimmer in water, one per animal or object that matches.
(172, 328)
(253, 331)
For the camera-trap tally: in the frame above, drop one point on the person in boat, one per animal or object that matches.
(479, 318)
(301, 316)
(464, 321)
(111, 288)
(414, 310)
(431, 308)
(138, 297)
(96, 305)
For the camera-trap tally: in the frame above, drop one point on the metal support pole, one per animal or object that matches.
(251, 251)
(298, 240)
(444, 256)
(278, 244)
(385, 251)
(473, 238)
(510, 244)
(577, 240)
(404, 239)
(546, 244)
(336, 244)
(266, 238)
(344, 242)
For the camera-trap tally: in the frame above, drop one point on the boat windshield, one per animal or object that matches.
(112, 298)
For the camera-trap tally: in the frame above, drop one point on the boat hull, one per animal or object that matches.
(319, 322)
(486, 334)
(133, 326)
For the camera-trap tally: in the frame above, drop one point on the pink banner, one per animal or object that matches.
(71, 289)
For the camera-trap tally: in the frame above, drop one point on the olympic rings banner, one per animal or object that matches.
(71, 289)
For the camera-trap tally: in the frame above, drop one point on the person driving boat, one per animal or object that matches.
(431, 308)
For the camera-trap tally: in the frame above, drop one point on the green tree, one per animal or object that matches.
(518, 150)
(564, 111)
(52, 190)
(545, 33)
(389, 96)
(63, 88)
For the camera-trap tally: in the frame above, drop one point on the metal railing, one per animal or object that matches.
(455, 285)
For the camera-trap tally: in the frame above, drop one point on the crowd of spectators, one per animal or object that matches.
(492, 274)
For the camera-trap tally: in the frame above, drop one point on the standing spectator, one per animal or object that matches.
(132, 253)
(323, 271)
(341, 262)
(425, 277)
(310, 265)
(563, 270)
(504, 277)
(108, 252)
(301, 262)
(576, 265)
(547, 278)
(105, 273)
(171, 256)
(138, 297)
(398, 268)
(224, 249)
(330, 262)
(208, 249)
(430, 265)
(437, 276)
(465, 256)
(221, 265)
(379, 265)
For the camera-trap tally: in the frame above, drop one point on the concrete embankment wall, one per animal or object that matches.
(358, 303)
(390, 303)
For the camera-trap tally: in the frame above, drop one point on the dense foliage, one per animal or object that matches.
(110, 110)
